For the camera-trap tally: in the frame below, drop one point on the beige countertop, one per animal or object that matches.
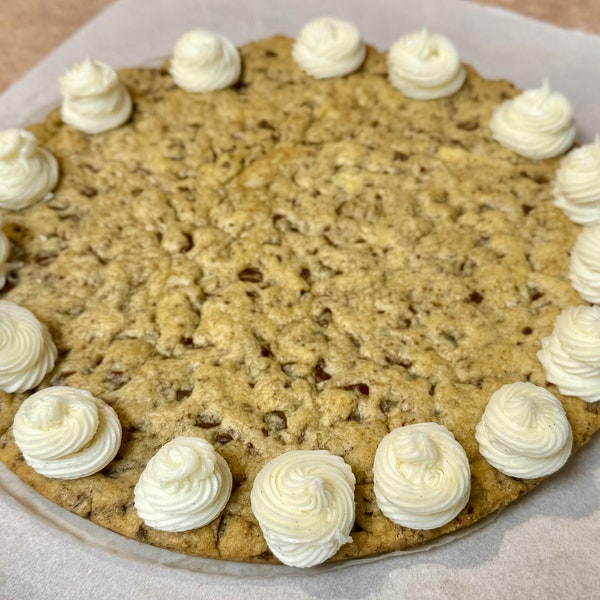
(30, 29)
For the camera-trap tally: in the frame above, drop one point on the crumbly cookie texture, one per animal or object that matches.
(291, 264)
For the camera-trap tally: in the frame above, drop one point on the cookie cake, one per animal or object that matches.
(300, 301)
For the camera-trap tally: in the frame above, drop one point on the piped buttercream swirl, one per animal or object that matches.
(5, 266)
(524, 431)
(27, 351)
(571, 353)
(585, 264)
(537, 124)
(28, 172)
(421, 475)
(304, 503)
(328, 47)
(94, 100)
(66, 433)
(185, 485)
(577, 184)
(425, 66)
(204, 61)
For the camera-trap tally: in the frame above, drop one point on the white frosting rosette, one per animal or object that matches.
(328, 47)
(28, 173)
(425, 66)
(577, 184)
(585, 264)
(66, 433)
(571, 353)
(204, 61)
(524, 431)
(421, 475)
(536, 124)
(185, 485)
(94, 100)
(5, 266)
(304, 503)
(27, 351)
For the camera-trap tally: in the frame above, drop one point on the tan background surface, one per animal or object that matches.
(29, 29)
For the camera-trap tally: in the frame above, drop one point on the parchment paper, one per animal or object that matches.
(546, 545)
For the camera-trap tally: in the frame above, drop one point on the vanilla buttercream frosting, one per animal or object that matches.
(327, 47)
(421, 476)
(204, 61)
(585, 264)
(571, 353)
(425, 66)
(94, 100)
(28, 172)
(5, 266)
(577, 184)
(27, 351)
(185, 485)
(304, 503)
(524, 431)
(537, 123)
(66, 433)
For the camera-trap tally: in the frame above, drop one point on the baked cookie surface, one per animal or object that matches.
(291, 264)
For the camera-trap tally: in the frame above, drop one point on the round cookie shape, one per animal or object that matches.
(185, 485)
(66, 433)
(421, 476)
(291, 264)
(204, 61)
(304, 503)
(28, 172)
(524, 431)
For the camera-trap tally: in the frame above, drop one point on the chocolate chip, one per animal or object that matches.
(182, 394)
(361, 388)
(526, 209)
(535, 294)
(45, 258)
(266, 351)
(251, 274)
(223, 437)
(401, 156)
(263, 124)
(387, 406)
(475, 297)
(526, 331)
(205, 421)
(470, 125)
(275, 420)
(325, 317)
(88, 191)
(320, 373)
